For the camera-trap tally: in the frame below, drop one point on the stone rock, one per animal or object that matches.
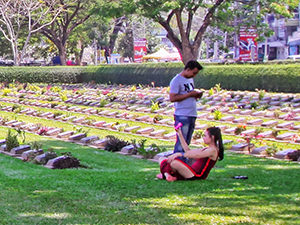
(171, 135)
(63, 162)
(129, 129)
(44, 158)
(3, 147)
(283, 154)
(20, 149)
(146, 130)
(87, 140)
(227, 118)
(54, 131)
(255, 122)
(129, 149)
(259, 150)
(65, 134)
(162, 154)
(31, 154)
(286, 125)
(270, 123)
(242, 147)
(286, 136)
(77, 137)
(294, 156)
(157, 133)
(100, 143)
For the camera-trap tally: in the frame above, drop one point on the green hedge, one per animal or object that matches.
(51, 74)
(276, 77)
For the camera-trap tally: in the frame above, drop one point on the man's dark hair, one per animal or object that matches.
(192, 65)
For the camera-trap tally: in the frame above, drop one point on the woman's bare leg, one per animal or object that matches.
(181, 169)
(170, 178)
(160, 176)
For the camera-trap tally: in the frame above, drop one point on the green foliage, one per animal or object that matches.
(239, 129)
(234, 77)
(217, 114)
(218, 88)
(211, 91)
(114, 144)
(261, 94)
(154, 106)
(157, 118)
(103, 102)
(271, 150)
(36, 145)
(150, 152)
(254, 105)
(16, 108)
(6, 91)
(63, 96)
(11, 140)
(198, 134)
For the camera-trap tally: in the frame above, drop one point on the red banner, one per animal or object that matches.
(140, 49)
(248, 44)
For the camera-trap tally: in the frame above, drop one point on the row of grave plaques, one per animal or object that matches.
(228, 130)
(94, 141)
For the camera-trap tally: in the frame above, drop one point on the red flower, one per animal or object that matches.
(105, 92)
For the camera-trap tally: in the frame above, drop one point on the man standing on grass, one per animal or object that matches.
(184, 96)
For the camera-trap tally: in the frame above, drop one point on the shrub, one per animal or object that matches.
(218, 115)
(36, 145)
(239, 129)
(11, 141)
(271, 150)
(114, 144)
(198, 134)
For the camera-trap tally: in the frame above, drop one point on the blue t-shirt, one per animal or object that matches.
(181, 85)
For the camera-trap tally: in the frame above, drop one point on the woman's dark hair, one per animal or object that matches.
(216, 132)
(192, 65)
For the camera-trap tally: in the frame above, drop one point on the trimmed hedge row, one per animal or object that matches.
(276, 78)
(41, 74)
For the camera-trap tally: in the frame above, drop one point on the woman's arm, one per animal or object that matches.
(182, 140)
(199, 153)
(193, 154)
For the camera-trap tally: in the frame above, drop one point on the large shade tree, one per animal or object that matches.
(75, 13)
(186, 21)
(20, 19)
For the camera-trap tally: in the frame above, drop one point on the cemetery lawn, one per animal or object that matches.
(118, 189)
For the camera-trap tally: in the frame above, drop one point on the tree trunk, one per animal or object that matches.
(188, 53)
(114, 35)
(14, 47)
(62, 54)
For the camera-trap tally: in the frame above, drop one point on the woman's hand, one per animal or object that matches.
(174, 156)
(178, 127)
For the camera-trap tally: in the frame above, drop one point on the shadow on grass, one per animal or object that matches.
(123, 190)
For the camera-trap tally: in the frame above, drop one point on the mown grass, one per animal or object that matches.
(117, 189)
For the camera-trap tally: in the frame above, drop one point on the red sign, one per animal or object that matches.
(140, 49)
(248, 44)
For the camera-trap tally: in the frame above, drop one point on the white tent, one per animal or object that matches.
(164, 55)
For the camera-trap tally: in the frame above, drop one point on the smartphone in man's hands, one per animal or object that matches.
(199, 93)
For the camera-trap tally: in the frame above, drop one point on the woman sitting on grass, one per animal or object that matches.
(172, 168)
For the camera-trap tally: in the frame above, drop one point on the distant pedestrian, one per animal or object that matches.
(107, 54)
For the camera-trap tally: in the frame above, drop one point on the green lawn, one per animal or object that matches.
(117, 189)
